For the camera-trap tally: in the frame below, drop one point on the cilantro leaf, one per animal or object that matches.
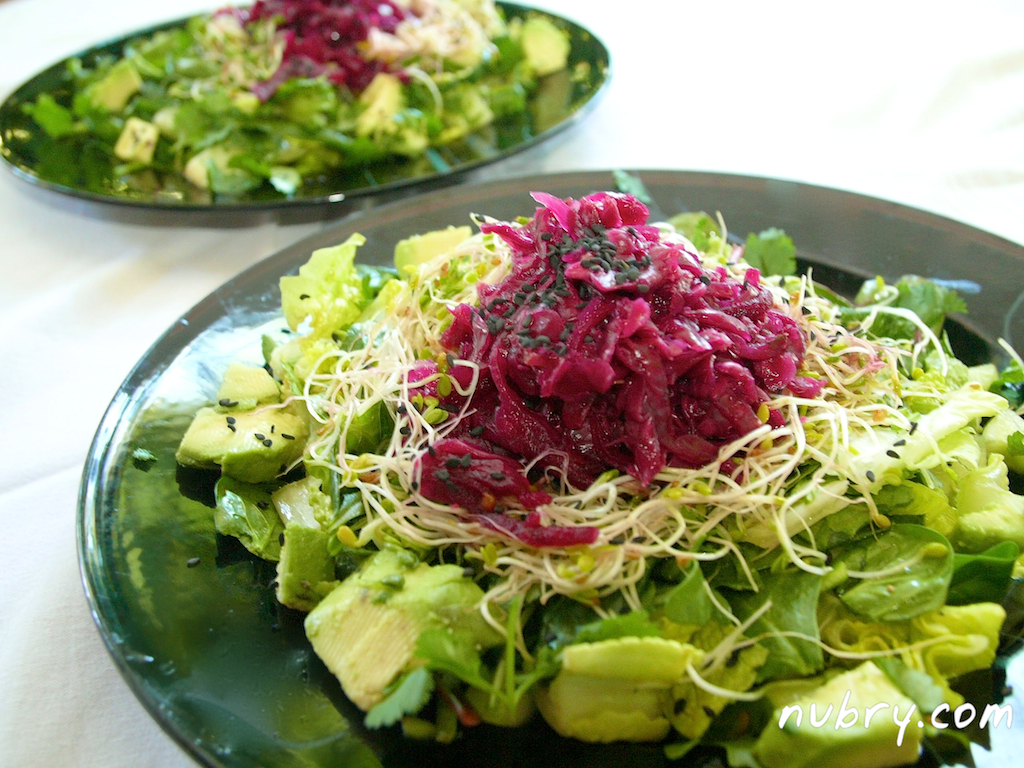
(446, 652)
(629, 184)
(1015, 444)
(408, 698)
(56, 120)
(772, 252)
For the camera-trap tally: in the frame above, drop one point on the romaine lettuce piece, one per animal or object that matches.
(328, 290)
(988, 512)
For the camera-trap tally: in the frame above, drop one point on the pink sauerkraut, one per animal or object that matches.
(606, 346)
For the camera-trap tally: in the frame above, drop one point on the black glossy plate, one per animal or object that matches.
(59, 164)
(224, 669)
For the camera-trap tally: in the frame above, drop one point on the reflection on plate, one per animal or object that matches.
(189, 616)
(66, 166)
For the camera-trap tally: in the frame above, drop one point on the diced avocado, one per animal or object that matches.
(305, 572)
(137, 141)
(604, 710)
(640, 659)
(245, 386)
(546, 46)
(248, 445)
(164, 121)
(112, 91)
(494, 711)
(996, 437)
(303, 502)
(381, 100)
(799, 743)
(366, 630)
(197, 169)
(419, 249)
(616, 690)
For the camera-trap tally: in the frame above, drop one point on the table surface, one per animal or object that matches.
(905, 101)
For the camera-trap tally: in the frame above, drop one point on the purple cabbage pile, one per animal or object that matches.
(323, 36)
(605, 347)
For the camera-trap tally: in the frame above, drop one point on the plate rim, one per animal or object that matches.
(183, 330)
(333, 200)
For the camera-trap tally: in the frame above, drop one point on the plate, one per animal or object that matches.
(190, 618)
(61, 165)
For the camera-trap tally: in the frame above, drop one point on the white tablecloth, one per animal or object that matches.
(922, 103)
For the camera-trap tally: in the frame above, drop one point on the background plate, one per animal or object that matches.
(207, 649)
(57, 164)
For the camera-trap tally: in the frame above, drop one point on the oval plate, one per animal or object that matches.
(190, 617)
(58, 165)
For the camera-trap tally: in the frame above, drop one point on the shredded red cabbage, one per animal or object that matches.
(607, 347)
(327, 32)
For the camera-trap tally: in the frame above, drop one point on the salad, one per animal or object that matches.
(631, 477)
(267, 98)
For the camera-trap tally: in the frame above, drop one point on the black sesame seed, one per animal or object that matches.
(303, 296)
(260, 437)
(232, 427)
(892, 454)
(441, 474)
(268, 442)
(870, 476)
(588, 339)
(405, 431)
(414, 485)
(261, 504)
(466, 460)
(709, 712)
(431, 451)
(497, 476)
(451, 463)
(286, 436)
(899, 443)
(476, 431)
(913, 427)
(227, 403)
(705, 279)
(231, 419)
(545, 235)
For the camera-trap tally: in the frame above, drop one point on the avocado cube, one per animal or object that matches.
(247, 445)
(366, 630)
(841, 742)
(137, 141)
(305, 572)
(112, 91)
(246, 386)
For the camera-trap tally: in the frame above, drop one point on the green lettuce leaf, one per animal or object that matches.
(794, 597)
(917, 563)
(246, 511)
